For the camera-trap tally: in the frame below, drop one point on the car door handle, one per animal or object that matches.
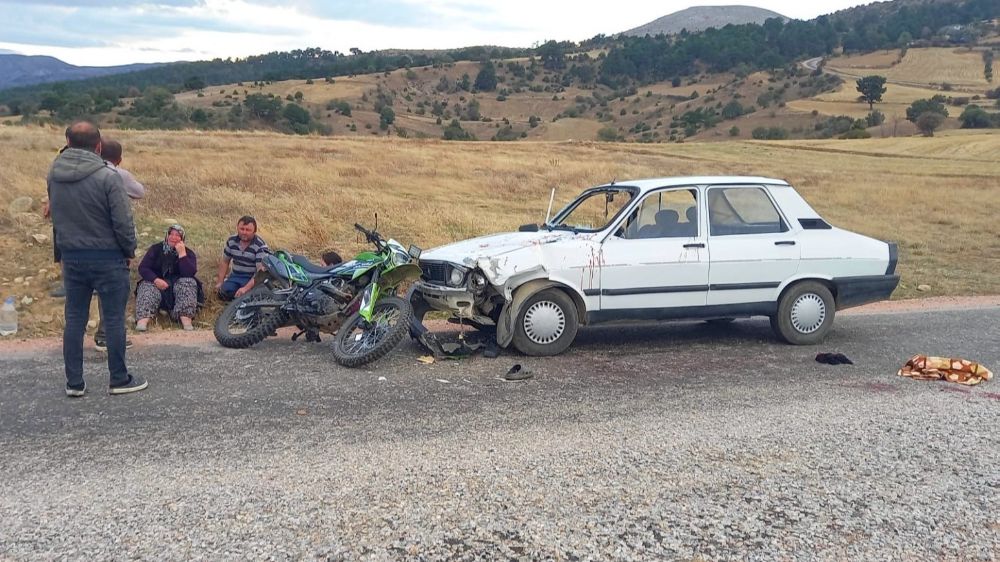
(695, 245)
(785, 243)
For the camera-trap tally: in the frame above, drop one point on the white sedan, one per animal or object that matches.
(711, 248)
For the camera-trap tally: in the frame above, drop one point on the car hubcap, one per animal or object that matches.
(544, 322)
(808, 313)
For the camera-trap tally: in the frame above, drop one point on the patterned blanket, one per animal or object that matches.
(962, 371)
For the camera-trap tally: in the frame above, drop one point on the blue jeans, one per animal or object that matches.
(110, 278)
(232, 284)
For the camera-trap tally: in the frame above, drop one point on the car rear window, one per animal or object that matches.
(742, 210)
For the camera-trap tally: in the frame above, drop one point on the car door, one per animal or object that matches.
(656, 259)
(752, 248)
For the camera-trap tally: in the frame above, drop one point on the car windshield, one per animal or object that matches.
(593, 210)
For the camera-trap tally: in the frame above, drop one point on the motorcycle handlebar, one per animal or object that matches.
(371, 235)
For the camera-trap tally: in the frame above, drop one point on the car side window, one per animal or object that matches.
(742, 210)
(664, 214)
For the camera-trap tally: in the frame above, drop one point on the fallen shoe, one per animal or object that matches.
(833, 359)
(517, 373)
(961, 371)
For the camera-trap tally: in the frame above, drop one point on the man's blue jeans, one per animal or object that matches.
(110, 278)
(233, 283)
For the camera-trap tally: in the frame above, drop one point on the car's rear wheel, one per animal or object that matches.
(805, 313)
(547, 324)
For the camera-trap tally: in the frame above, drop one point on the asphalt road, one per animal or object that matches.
(677, 441)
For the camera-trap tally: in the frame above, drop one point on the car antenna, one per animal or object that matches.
(549, 211)
(613, 180)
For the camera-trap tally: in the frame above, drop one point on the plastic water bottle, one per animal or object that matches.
(8, 318)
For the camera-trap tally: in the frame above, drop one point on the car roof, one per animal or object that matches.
(653, 183)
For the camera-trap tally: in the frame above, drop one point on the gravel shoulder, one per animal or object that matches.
(674, 441)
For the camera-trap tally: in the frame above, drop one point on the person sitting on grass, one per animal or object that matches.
(331, 258)
(168, 281)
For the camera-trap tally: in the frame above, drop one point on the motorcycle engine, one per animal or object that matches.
(318, 303)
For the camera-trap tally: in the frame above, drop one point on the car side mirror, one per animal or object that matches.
(528, 228)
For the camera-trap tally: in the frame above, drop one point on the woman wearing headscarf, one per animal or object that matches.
(168, 281)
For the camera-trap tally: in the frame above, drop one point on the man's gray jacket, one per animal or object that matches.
(91, 214)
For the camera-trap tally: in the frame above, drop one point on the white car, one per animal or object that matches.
(712, 248)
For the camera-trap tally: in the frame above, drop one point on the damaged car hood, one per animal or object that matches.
(470, 252)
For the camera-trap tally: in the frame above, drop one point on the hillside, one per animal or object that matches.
(23, 70)
(700, 18)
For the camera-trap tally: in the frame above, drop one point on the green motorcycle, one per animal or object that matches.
(355, 300)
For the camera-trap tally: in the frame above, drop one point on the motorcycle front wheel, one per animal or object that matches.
(359, 342)
(239, 326)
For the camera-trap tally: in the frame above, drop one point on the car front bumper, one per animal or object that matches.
(458, 301)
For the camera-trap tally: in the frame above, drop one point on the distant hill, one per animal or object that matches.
(23, 70)
(700, 18)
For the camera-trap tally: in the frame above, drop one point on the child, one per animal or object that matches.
(331, 258)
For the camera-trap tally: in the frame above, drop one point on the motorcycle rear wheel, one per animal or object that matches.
(238, 327)
(359, 342)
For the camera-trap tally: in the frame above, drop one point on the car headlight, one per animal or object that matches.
(456, 277)
(477, 281)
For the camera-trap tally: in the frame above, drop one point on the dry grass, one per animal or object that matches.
(962, 68)
(937, 196)
(843, 101)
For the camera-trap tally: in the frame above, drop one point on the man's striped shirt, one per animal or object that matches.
(245, 261)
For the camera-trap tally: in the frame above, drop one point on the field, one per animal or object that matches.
(937, 196)
(843, 101)
(962, 68)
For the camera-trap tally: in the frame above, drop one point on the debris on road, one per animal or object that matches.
(961, 371)
(517, 373)
(833, 359)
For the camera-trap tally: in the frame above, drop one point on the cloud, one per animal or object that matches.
(100, 31)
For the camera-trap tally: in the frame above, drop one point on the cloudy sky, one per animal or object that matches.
(112, 32)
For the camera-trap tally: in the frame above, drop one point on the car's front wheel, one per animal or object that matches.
(547, 324)
(805, 313)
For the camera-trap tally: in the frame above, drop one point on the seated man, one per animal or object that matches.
(244, 251)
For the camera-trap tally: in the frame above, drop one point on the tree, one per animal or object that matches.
(486, 80)
(608, 134)
(928, 122)
(919, 107)
(454, 131)
(472, 111)
(386, 117)
(194, 83)
(974, 117)
(732, 110)
(296, 114)
(871, 89)
(262, 106)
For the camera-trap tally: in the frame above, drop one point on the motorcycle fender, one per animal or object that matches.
(505, 327)
(368, 300)
(399, 274)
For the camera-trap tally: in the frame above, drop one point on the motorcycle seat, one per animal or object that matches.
(311, 267)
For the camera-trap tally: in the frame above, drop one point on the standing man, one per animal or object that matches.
(92, 218)
(244, 251)
(111, 152)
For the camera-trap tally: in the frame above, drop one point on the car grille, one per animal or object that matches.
(435, 272)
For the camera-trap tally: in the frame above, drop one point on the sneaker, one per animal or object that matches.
(76, 391)
(101, 345)
(142, 325)
(134, 384)
(186, 322)
(59, 292)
